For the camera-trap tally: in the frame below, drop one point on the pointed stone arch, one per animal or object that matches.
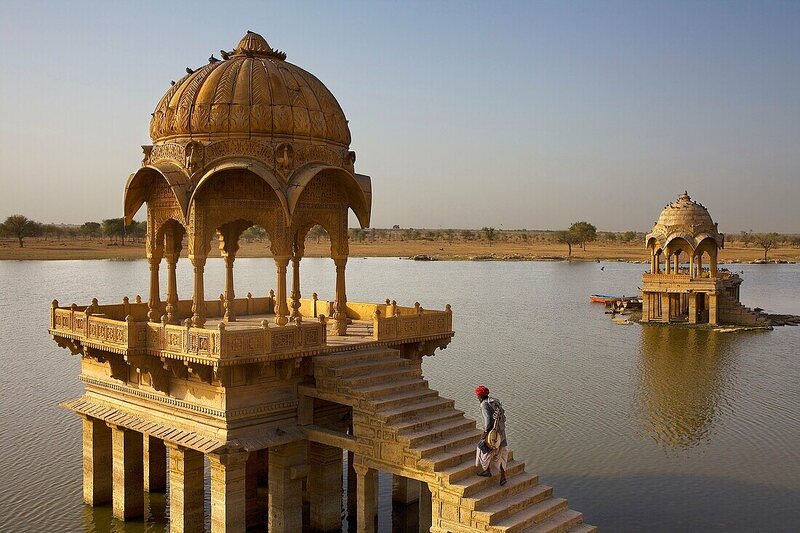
(250, 165)
(357, 187)
(142, 183)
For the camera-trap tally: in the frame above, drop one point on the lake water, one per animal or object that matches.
(640, 427)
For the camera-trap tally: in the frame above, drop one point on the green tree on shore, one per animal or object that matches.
(90, 229)
(21, 227)
(114, 228)
(767, 241)
(490, 234)
(583, 232)
(566, 237)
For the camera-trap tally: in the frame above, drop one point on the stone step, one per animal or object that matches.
(388, 388)
(562, 522)
(361, 367)
(463, 479)
(452, 441)
(487, 497)
(413, 409)
(582, 528)
(383, 376)
(437, 431)
(531, 515)
(513, 503)
(452, 457)
(405, 397)
(344, 358)
(410, 425)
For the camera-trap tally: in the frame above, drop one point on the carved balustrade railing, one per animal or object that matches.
(93, 327)
(225, 344)
(411, 322)
(125, 329)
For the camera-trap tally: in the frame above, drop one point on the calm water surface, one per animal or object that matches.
(641, 427)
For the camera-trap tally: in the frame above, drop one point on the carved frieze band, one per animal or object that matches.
(166, 400)
(283, 157)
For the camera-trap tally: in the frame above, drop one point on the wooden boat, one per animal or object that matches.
(603, 298)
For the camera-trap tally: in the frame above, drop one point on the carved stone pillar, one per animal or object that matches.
(325, 487)
(185, 490)
(713, 308)
(97, 473)
(230, 312)
(172, 289)
(172, 247)
(297, 256)
(692, 308)
(666, 309)
(281, 309)
(691, 265)
(287, 467)
(154, 303)
(340, 306)
(198, 299)
(366, 498)
(228, 502)
(677, 260)
(712, 266)
(128, 490)
(155, 464)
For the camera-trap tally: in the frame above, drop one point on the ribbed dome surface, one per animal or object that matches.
(254, 92)
(686, 212)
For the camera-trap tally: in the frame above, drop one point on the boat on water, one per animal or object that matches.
(604, 298)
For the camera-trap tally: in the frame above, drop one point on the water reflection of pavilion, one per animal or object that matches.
(682, 378)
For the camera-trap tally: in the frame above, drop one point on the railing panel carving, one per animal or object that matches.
(97, 325)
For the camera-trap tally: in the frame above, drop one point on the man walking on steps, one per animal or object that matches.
(492, 453)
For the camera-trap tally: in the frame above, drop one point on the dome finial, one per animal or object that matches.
(253, 44)
(685, 197)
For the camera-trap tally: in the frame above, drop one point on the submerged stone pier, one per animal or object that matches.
(267, 391)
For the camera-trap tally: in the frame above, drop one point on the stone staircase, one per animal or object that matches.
(733, 312)
(418, 434)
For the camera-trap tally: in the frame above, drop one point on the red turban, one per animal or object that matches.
(480, 390)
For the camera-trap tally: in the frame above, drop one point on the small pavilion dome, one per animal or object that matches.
(251, 92)
(685, 219)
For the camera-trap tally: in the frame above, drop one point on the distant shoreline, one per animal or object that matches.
(37, 249)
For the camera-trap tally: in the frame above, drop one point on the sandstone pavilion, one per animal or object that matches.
(684, 283)
(272, 393)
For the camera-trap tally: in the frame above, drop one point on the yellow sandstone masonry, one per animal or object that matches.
(679, 288)
(270, 388)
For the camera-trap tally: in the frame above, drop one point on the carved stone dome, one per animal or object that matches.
(251, 92)
(686, 219)
(686, 212)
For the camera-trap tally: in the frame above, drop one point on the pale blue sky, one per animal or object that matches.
(526, 114)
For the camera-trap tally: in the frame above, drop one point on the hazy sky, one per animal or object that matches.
(465, 114)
